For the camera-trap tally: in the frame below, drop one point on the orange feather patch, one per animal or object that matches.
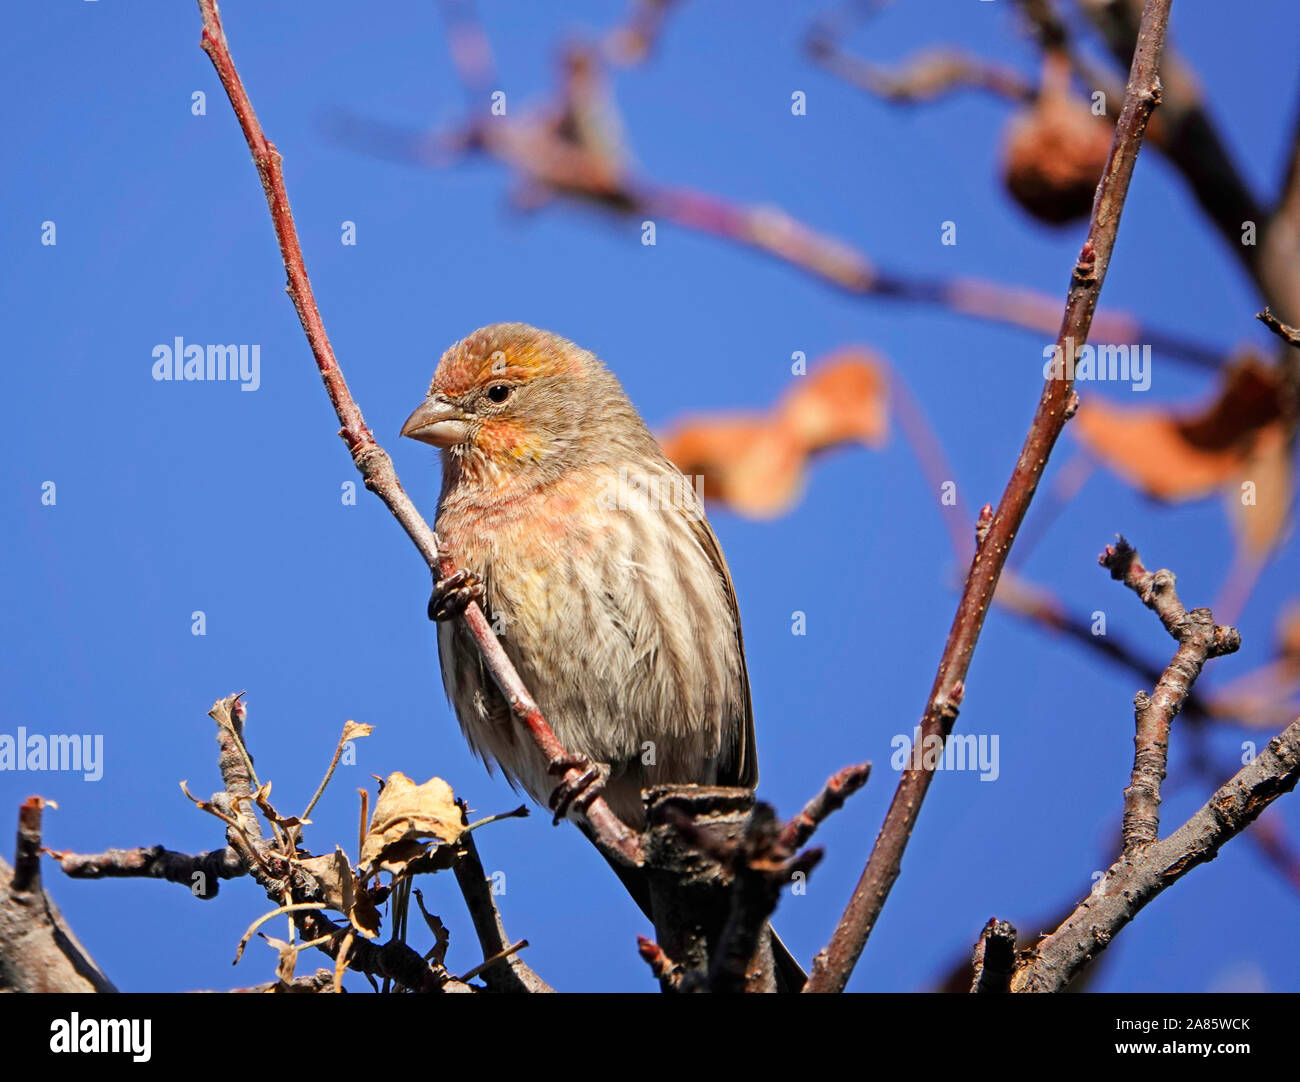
(492, 355)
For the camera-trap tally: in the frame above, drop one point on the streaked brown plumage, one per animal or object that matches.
(603, 578)
(600, 574)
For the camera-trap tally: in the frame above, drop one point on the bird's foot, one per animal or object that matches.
(452, 595)
(580, 792)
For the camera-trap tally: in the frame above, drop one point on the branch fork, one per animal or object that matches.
(1199, 639)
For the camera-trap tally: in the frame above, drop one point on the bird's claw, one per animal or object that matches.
(580, 792)
(452, 594)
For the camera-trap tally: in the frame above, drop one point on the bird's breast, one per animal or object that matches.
(616, 619)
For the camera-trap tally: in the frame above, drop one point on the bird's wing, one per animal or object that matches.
(739, 763)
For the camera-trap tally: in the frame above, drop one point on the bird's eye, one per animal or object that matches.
(499, 392)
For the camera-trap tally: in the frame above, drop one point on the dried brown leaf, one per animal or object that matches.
(1174, 455)
(287, 957)
(355, 730)
(755, 463)
(406, 818)
(343, 891)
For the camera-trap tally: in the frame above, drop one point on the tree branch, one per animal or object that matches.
(1192, 142)
(994, 957)
(924, 78)
(1199, 639)
(512, 973)
(1228, 704)
(1057, 403)
(38, 951)
(551, 156)
(838, 788)
(1136, 878)
(157, 862)
(1290, 335)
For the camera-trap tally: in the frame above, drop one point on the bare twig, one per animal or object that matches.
(1230, 703)
(500, 956)
(994, 957)
(762, 865)
(26, 876)
(1284, 331)
(774, 233)
(664, 969)
(38, 950)
(1266, 241)
(271, 915)
(552, 156)
(1199, 639)
(1136, 878)
(321, 981)
(634, 41)
(351, 731)
(201, 873)
(838, 788)
(1192, 142)
(371, 460)
(515, 975)
(924, 78)
(558, 167)
(833, 966)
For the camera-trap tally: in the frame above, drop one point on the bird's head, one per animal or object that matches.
(511, 400)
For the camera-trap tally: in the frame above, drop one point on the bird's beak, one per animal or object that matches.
(438, 422)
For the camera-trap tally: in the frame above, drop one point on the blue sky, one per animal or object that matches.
(181, 497)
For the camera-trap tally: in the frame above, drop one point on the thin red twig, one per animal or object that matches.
(373, 462)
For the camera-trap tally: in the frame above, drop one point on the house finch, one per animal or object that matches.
(591, 557)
